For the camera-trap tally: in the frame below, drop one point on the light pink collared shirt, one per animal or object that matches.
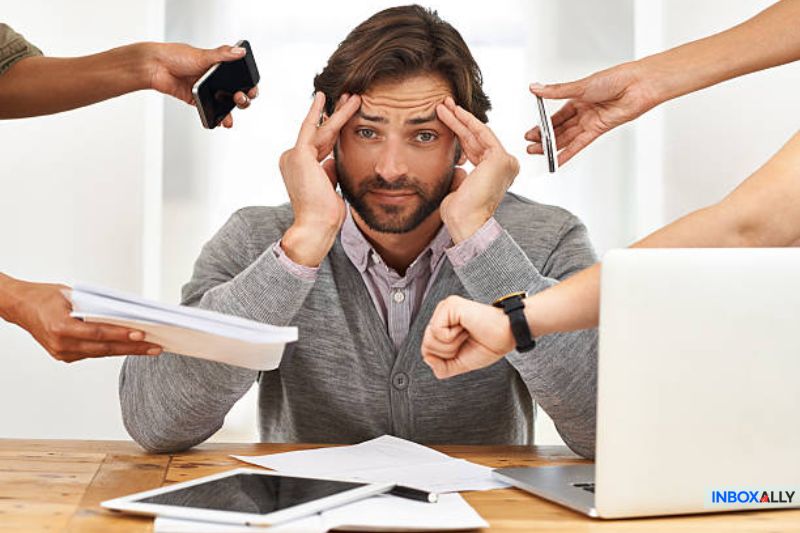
(398, 298)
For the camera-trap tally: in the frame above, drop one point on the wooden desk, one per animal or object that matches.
(52, 485)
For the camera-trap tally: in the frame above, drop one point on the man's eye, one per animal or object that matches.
(426, 136)
(365, 133)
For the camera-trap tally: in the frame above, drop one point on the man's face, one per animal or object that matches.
(395, 159)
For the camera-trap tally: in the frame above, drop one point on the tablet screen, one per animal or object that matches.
(251, 493)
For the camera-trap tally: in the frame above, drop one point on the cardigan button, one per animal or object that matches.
(400, 381)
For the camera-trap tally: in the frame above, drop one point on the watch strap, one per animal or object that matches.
(514, 307)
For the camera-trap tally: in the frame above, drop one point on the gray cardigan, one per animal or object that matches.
(343, 381)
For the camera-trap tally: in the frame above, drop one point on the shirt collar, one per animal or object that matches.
(359, 250)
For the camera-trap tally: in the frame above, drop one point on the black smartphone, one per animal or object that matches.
(213, 92)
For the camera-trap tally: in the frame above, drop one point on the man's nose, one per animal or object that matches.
(391, 163)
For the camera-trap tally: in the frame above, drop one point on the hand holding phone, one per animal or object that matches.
(214, 91)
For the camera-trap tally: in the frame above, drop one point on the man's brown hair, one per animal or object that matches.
(397, 43)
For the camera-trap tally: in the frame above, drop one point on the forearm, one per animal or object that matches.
(43, 85)
(501, 269)
(575, 303)
(171, 402)
(769, 39)
(8, 298)
(763, 211)
(561, 372)
(309, 244)
(561, 376)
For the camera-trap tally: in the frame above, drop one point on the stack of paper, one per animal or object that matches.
(379, 513)
(186, 330)
(384, 459)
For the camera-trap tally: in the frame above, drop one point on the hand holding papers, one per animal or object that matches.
(186, 330)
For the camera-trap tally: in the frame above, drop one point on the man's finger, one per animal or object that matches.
(253, 93)
(483, 135)
(559, 91)
(227, 122)
(348, 107)
(472, 147)
(309, 127)
(481, 131)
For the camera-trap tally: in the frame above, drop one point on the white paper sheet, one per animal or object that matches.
(186, 330)
(390, 513)
(384, 459)
(310, 524)
(379, 513)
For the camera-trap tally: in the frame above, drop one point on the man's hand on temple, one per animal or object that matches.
(463, 336)
(44, 312)
(475, 197)
(319, 211)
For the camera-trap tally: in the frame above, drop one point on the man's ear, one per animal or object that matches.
(460, 157)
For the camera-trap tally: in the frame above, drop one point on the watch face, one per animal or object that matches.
(521, 294)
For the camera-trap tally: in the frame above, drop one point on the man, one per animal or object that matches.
(33, 85)
(360, 275)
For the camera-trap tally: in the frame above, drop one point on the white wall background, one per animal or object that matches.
(106, 195)
(79, 193)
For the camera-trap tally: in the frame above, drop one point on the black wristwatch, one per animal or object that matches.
(513, 305)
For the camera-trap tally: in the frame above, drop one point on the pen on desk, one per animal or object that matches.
(414, 494)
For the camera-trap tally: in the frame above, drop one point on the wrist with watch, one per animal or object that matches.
(513, 305)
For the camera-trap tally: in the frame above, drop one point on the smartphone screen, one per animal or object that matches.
(213, 93)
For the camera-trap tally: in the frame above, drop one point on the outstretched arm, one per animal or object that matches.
(43, 85)
(612, 97)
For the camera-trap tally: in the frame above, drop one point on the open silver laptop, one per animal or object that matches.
(698, 387)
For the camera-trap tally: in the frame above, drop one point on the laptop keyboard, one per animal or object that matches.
(588, 487)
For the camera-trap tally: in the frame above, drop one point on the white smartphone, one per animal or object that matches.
(246, 496)
(548, 136)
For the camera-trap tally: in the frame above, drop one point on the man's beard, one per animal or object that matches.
(392, 224)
